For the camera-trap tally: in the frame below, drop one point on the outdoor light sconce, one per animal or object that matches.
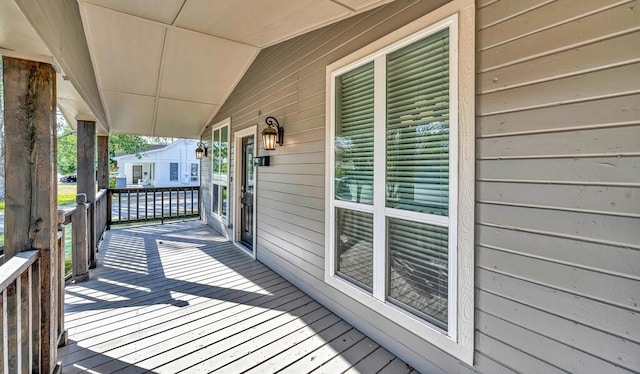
(274, 133)
(201, 151)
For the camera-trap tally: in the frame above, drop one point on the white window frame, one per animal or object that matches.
(459, 17)
(219, 125)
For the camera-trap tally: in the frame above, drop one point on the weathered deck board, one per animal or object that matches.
(179, 298)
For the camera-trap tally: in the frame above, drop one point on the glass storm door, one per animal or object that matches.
(246, 193)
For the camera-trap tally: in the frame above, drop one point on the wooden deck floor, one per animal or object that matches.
(179, 298)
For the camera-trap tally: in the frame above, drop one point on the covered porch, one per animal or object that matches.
(457, 179)
(178, 296)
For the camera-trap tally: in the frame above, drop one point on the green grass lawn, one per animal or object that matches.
(66, 194)
(67, 249)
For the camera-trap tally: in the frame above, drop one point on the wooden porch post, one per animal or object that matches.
(103, 162)
(31, 189)
(87, 179)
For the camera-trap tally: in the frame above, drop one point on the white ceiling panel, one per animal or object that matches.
(182, 119)
(182, 58)
(129, 114)
(202, 68)
(164, 11)
(126, 51)
(16, 33)
(260, 22)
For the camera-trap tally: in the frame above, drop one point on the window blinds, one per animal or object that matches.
(418, 126)
(354, 135)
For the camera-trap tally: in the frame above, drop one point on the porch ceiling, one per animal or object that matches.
(165, 69)
(159, 68)
(19, 39)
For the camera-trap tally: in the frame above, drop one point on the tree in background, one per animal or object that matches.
(118, 145)
(67, 147)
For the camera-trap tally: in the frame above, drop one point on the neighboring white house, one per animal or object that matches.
(173, 165)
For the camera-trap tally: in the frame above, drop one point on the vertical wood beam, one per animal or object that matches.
(103, 162)
(86, 132)
(31, 188)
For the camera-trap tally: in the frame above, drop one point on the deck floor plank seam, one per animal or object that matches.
(118, 331)
(192, 286)
(179, 297)
(195, 302)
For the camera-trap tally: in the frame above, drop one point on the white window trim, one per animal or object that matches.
(224, 122)
(459, 339)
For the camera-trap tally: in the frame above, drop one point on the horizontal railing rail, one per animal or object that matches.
(129, 205)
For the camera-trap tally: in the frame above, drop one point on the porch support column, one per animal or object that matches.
(31, 189)
(103, 162)
(86, 133)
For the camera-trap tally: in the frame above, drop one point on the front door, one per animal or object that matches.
(246, 193)
(137, 173)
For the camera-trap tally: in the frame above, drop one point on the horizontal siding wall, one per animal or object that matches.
(558, 185)
(558, 180)
(288, 81)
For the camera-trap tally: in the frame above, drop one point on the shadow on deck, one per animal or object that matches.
(179, 297)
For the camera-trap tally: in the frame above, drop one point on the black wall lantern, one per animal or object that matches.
(273, 134)
(201, 151)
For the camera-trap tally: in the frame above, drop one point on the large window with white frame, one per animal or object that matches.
(393, 204)
(220, 171)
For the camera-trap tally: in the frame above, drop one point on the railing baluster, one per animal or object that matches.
(3, 331)
(129, 206)
(146, 206)
(35, 314)
(119, 207)
(137, 205)
(13, 335)
(109, 215)
(25, 323)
